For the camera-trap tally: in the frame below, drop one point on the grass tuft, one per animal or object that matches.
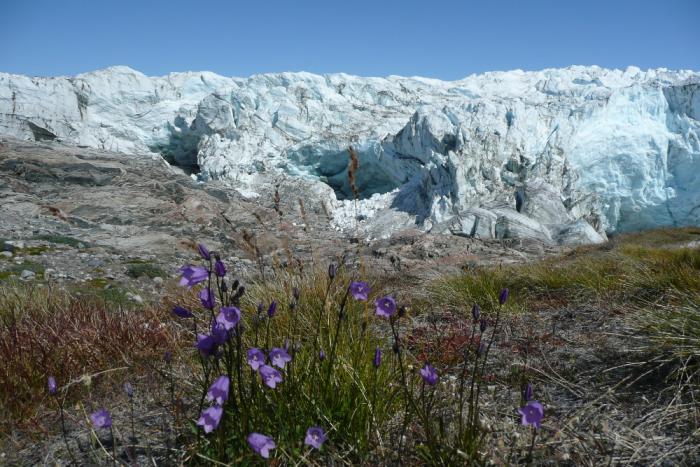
(51, 332)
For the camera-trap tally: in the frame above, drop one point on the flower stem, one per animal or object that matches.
(532, 446)
(64, 433)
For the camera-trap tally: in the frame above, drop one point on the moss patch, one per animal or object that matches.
(140, 269)
(16, 270)
(35, 250)
(60, 240)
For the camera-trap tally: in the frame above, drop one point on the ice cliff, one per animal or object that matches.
(560, 155)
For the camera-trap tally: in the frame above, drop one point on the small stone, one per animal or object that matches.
(27, 275)
(14, 245)
(134, 297)
(49, 273)
(6, 254)
(158, 281)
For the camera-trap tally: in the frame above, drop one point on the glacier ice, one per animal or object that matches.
(560, 155)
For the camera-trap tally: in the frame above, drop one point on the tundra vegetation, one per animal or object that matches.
(591, 356)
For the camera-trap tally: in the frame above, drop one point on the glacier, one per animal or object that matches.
(564, 156)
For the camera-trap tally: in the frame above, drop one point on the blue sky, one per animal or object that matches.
(446, 39)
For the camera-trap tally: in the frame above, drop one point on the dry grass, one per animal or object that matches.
(612, 333)
(52, 332)
(638, 268)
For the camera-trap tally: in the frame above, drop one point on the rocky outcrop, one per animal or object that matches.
(561, 155)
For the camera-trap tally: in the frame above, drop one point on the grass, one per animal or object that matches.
(34, 250)
(348, 399)
(16, 270)
(60, 240)
(647, 284)
(141, 268)
(46, 331)
(110, 294)
(666, 338)
(636, 268)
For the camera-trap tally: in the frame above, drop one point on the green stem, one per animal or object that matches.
(331, 358)
(483, 365)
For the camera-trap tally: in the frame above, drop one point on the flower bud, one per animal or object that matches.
(482, 325)
(272, 309)
(219, 268)
(377, 357)
(204, 252)
(476, 312)
(332, 271)
(503, 296)
(53, 388)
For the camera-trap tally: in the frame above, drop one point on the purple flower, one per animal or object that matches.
(207, 298)
(279, 357)
(229, 317)
(193, 275)
(321, 355)
(476, 312)
(219, 268)
(429, 374)
(210, 418)
(315, 437)
(219, 333)
(53, 388)
(503, 296)
(272, 309)
(359, 290)
(532, 414)
(261, 444)
(270, 376)
(377, 357)
(168, 356)
(482, 325)
(101, 419)
(205, 344)
(527, 392)
(386, 306)
(218, 392)
(204, 252)
(182, 312)
(256, 358)
(129, 389)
